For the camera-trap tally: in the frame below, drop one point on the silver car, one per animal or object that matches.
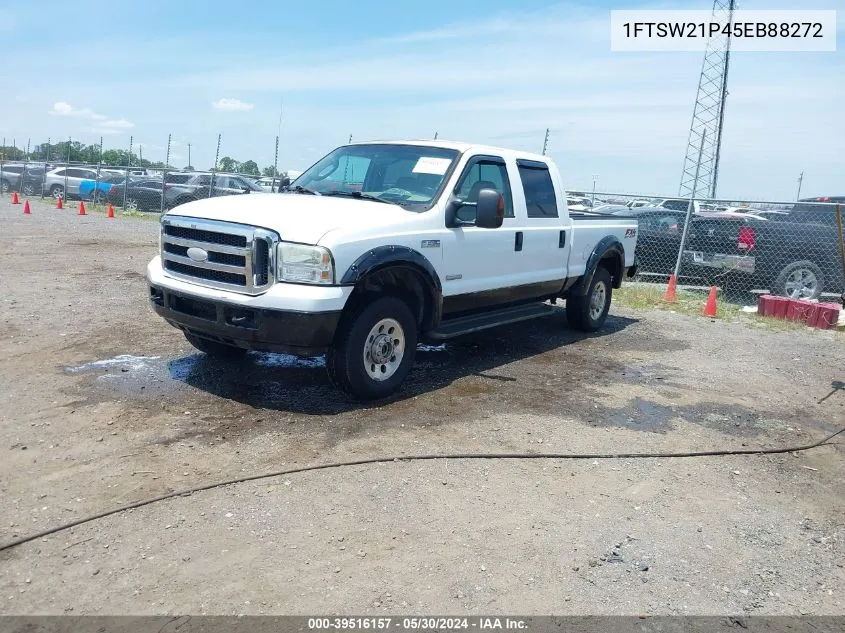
(56, 181)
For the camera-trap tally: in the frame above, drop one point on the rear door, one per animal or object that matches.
(546, 240)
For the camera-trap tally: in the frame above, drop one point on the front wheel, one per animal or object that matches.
(29, 189)
(5, 187)
(374, 349)
(57, 191)
(215, 349)
(588, 312)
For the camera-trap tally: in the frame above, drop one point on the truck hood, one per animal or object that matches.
(295, 217)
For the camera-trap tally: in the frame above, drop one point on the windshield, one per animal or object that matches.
(407, 175)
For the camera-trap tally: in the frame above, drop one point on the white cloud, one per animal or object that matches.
(232, 105)
(63, 108)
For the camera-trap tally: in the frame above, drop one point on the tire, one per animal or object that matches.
(5, 186)
(214, 349)
(29, 189)
(57, 191)
(131, 204)
(799, 280)
(588, 313)
(374, 349)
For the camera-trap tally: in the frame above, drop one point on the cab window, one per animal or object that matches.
(483, 173)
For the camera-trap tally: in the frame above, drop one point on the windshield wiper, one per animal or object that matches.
(359, 195)
(301, 189)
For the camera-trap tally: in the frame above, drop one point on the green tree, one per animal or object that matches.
(8, 152)
(227, 163)
(249, 167)
(269, 172)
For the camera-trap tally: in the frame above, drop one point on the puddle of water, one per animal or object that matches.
(422, 347)
(266, 359)
(123, 360)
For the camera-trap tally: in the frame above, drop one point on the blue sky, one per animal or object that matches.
(490, 72)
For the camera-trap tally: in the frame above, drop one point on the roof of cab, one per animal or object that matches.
(461, 147)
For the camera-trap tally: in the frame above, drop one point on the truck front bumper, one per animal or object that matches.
(303, 328)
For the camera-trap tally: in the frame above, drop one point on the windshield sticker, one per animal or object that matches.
(432, 165)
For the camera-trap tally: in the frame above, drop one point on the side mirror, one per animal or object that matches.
(246, 190)
(490, 209)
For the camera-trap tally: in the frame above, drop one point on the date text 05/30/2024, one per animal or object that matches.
(416, 624)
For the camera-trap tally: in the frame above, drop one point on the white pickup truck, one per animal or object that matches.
(379, 246)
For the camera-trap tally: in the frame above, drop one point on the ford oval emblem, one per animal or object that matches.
(198, 254)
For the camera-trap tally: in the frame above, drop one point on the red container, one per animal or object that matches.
(779, 307)
(827, 316)
(765, 305)
(801, 311)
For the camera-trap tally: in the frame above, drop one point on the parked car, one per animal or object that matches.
(142, 194)
(199, 186)
(426, 240)
(98, 190)
(64, 181)
(795, 255)
(22, 177)
(269, 185)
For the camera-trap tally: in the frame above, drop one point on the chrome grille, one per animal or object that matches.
(239, 257)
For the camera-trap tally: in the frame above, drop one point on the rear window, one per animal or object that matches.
(539, 191)
(178, 178)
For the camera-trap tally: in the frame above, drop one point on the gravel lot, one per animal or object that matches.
(102, 404)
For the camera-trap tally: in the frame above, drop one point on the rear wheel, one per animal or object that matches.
(374, 349)
(588, 312)
(131, 204)
(215, 349)
(57, 191)
(800, 280)
(29, 189)
(5, 186)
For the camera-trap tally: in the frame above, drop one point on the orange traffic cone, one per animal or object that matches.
(81, 207)
(15, 198)
(26, 207)
(59, 204)
(710, 306)
(110, 212)
(671, 290)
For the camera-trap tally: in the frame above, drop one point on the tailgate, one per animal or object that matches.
(726, 243)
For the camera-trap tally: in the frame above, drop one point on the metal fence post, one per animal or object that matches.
(67, 166)
(128, 165)
(95, 195)
(164, 174)
(689, 208)
(214, 168)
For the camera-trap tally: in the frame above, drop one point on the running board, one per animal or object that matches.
(477, 322)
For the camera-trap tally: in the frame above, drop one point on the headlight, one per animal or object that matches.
(302, 264)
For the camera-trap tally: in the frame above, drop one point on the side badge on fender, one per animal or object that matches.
(630, 232)
(430, 244)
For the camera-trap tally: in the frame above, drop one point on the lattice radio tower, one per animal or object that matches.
(709, 112)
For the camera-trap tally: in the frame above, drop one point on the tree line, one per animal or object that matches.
(77, 152)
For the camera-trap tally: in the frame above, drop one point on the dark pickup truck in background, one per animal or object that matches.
(794, 254)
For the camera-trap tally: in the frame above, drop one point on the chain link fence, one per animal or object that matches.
(744, 247)
(792, 249)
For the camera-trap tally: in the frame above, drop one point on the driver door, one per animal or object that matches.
(479, 265)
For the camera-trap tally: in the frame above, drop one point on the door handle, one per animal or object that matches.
(561, 242)
(517, 245)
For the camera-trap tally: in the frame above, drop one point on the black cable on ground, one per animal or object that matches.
(414, 458)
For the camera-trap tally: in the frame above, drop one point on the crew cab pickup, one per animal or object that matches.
(378, 246)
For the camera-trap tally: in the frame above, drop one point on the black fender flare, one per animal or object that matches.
(392, 255)
(608, 245)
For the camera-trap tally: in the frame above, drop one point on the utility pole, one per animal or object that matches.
(800, 180)
(190, 164)
(350, 138)
(593, 199)
(546, 142)
(435, 135)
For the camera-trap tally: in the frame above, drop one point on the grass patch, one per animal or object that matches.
(690, 302)
(640, 296)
